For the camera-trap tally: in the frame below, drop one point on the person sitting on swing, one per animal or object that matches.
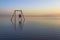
(20, 16)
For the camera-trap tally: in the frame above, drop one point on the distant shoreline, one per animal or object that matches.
(29, 16)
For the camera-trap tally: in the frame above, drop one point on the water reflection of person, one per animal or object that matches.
(21, 25)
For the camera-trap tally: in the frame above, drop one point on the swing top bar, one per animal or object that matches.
(17, 10)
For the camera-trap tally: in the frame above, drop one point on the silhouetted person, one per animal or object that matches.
(20, 16)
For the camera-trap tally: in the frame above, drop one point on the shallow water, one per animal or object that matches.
(33, 28)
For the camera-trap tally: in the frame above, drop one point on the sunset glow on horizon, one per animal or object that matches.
(31, 7)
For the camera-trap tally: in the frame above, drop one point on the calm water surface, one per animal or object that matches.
(33, 28)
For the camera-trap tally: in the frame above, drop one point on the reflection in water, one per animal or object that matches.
(34, 28)
(20, 24)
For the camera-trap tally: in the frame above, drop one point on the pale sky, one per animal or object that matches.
(31, 7)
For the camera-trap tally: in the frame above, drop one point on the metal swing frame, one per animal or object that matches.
(14, 14)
